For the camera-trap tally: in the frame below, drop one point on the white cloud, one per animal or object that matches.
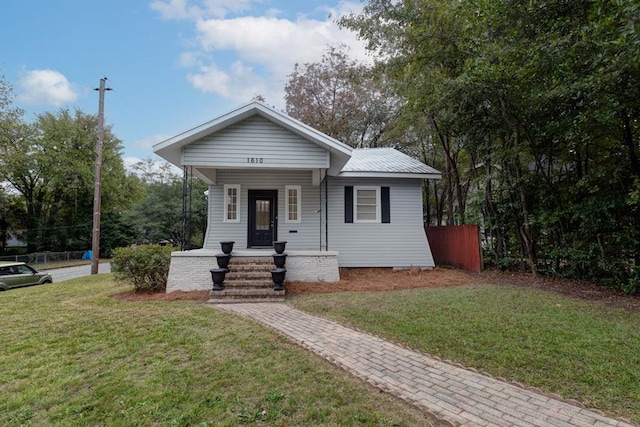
(210, 78)
(240, 83)
(148, 142)
(46, 87)
(243, 56)
(268, 44)
(172, 9)
(276, 44)
(181, 9)
(189, 59)
(219, 8)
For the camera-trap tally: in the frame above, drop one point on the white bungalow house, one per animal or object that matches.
(273, 178)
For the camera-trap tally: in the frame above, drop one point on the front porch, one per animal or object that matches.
(189, 270)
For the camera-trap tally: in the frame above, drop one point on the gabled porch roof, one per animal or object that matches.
(171, 149)
(311, 149)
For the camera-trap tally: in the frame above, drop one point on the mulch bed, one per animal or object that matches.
(386, 279)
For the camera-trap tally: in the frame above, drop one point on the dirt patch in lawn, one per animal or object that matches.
(387, 279)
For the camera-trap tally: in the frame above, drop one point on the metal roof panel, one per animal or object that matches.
(385, 161)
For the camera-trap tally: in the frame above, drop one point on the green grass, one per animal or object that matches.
(72, 356)
(577, 349)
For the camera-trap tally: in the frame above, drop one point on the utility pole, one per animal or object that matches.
(97, 187)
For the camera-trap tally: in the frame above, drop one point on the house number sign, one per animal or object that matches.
(255, 160)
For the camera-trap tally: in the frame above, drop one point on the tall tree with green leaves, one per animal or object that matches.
(158, 214)
(420, 47)
(51, 164)
(12, 212)
(541, 97)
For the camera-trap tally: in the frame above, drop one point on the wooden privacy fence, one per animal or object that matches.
(456, 245)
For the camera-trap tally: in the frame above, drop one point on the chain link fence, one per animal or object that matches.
(44, 257)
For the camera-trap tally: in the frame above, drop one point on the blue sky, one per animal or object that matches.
(172, 64)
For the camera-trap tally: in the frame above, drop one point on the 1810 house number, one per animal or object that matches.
(255, 160)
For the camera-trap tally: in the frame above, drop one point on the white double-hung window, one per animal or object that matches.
(366, 202)
(232, 203)
(293, 203)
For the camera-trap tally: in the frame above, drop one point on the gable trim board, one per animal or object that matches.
(172, 148)
(255, 147)
(255, 142)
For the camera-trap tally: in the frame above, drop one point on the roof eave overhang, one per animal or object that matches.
(354, 174)
(171, 148)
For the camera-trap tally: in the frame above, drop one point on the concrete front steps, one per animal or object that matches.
(248, 280)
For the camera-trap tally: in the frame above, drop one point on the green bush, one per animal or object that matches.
(145, 267)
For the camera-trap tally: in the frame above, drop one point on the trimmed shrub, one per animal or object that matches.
(145, 267)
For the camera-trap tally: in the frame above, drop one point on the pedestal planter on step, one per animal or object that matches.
(223, 261)
(277, 274)
(227, 246)
(279, 260)
(279, 246)
(217, 275)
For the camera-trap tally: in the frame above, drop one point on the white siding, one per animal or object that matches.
(402, 243)
(255, 143)
(308, 230)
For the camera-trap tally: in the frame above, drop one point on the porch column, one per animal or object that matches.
(187, 198)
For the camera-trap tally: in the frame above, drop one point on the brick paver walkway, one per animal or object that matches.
(450, 393)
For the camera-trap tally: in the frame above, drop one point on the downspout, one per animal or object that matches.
(190, 217)
(326, 211)
(320, 217)
(184, 207)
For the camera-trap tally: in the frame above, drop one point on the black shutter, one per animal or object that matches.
(386, 205)
(348, 204)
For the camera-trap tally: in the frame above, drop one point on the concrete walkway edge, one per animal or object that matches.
(448, 392)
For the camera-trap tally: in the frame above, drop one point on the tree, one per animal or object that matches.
(11, 217)
(158, 215)
(360, 105)
(420, 45)
(540, 97)
(343, 99)
(51, 164)
(11, 210)
(9, 114)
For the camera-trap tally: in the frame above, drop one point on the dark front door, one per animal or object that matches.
(263, 208)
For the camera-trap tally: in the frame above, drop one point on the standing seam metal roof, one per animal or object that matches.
(386, 160)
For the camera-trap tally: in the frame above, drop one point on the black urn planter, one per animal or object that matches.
(217, 275)
(223, 261)
(279, 246)
(227, 246)
(279, 260)
(277, 274)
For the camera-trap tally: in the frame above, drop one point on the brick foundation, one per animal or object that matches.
(189, 270)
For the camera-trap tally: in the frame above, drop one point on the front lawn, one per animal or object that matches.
(580, 350)
(71, 355)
